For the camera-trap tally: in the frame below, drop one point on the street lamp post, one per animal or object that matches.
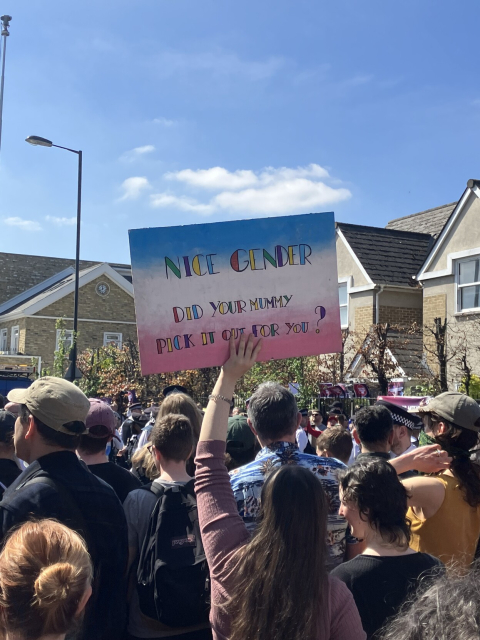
(72, 373)
(5, 33)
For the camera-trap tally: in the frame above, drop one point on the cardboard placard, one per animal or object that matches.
(274, 277)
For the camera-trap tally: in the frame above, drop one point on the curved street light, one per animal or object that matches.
(72, 373)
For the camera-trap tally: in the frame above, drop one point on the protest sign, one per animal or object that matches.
(273, 277)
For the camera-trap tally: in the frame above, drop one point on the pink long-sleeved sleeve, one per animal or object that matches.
(223, 530)
(345, 623)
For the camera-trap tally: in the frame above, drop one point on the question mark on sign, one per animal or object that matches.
(322, 312)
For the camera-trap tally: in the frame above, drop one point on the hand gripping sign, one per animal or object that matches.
(197, 285)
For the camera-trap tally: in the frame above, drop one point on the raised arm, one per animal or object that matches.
(223, 530)
(430, 459)
(215, 421)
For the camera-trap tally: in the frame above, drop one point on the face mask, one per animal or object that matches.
(424, 439)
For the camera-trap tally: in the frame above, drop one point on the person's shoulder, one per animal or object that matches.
(431, 561)
(340, 594)
(136, 498)
(346, 570)
(319, 462)
(245, 472)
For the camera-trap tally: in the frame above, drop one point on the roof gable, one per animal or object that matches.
(388, 256)
(64, 287)
(472, 190)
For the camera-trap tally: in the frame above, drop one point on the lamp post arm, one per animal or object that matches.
(67, 149)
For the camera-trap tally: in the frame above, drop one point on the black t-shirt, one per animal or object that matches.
(381, 584)
(9, 472)
(90, 506)
(121, 480)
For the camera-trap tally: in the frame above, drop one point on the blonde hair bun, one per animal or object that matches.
(54, 583)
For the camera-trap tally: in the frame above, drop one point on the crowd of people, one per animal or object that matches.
(263, 524)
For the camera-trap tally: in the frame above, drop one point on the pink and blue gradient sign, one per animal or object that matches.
(196, 285)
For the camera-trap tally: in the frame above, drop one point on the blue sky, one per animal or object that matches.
(192, 111)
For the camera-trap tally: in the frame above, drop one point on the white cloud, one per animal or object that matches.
(218, 178)
(160, 200)
(270, 191)
(214, 178)
(134, 187)
(138, 152)
(25, 225)
(282, 197)
(217, 63)
(165, 122)
(61, 222)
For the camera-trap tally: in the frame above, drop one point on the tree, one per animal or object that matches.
(333, 365)
(435, 345)
(389, 350)
(60, 356)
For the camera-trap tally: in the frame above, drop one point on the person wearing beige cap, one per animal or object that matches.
(56, 484)
(445, 509)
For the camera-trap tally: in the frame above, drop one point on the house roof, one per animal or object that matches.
(20, 272)
(431, 221)
(53, 291)
(408, 354)
(389, 256)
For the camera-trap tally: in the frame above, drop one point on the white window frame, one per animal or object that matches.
(459, 287)
(14, 337)
(68, 337)
(3, 339)
(348, 282)
(118, 340)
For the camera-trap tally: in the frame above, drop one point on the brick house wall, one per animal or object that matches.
(20, 322)
(433, 307)
(113, 313)
(402, 316)
(118, 305)
(364, 318)
(42, 336)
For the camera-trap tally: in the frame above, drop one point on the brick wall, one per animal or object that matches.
(402, 316)
(19, 273)
(42, 333)
(363, 321)
(433, 307)
(13, 323)
(118, 305)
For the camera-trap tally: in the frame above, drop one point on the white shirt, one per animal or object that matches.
(302, 439)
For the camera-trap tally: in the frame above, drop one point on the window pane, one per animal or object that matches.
(344, 316)
(470, 297)
(469, 271)
(342, 293)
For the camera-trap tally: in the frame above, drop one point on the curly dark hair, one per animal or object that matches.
(458, 442)
(380, 497)
(449, 609)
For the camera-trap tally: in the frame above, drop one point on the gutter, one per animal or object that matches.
(377, 302)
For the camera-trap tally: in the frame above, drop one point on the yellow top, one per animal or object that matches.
(452, 533)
